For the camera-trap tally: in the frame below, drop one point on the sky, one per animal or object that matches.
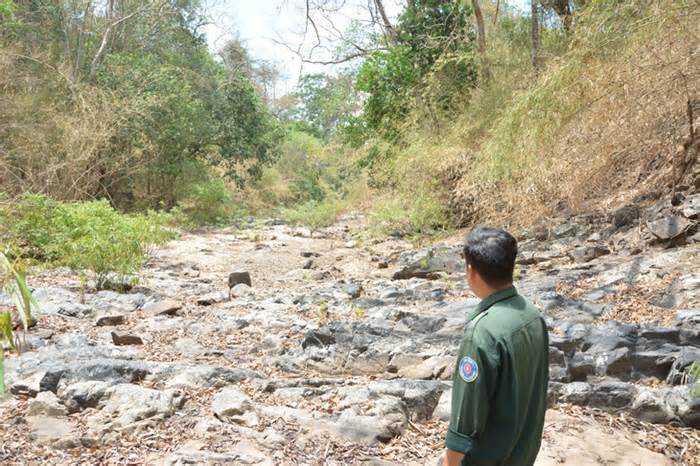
(262, 24)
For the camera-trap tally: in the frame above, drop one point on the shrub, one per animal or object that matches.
(207, 203)
(314, 214)
(82, 235)
(421, 215)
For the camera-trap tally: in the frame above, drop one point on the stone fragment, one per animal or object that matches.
(321, 337)
(46, 404)
(110, 320)
(588, 253)
(669, 227)
(167, 307)
(241, 291)
(233, 406)
(238, 277)
(124, 339)
(624, 216)
(52, 432)
(212, 298)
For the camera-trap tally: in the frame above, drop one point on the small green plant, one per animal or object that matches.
(694, 379)
(13, 281)
(323, 313)
(360, 312)
(6, 339)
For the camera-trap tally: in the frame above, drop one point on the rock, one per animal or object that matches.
(241, 291)
(687, 406)
(419, 396)
(581, 366)
(321, 337)
(624, 216)
(185, 456)
(565, 230)
(166, 307)
(123, 339)
(432, 368)
(307, 265)
(684, 360)
(109, 301)
(231, 405)
(125, 404)
(243, 453)
(52, 432)
(650, 406)
(428, 263)
(46, 404)
(82, 395)
(382, 265)
(362, 428)
(61, 301)
(350, 244)
(212, 298)
(353, 290)
(669, 227)
(444, 407)
(588, 253)
(308, 254)
(238, 277)
(185, 375)
(690, 208)
(606, 395)
(110, 320)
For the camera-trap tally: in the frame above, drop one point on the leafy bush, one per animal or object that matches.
(314, 214)
(207, 203)
(81, 235)
(421, 215)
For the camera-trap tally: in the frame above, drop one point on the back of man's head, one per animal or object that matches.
(491, 252)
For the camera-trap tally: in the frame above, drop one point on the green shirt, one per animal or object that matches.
(499, 388)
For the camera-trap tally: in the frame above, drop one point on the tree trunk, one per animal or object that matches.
(388, 27)
(535, 34)
(481, 40)
(79, 44)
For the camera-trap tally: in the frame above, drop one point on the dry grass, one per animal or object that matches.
(598, 128)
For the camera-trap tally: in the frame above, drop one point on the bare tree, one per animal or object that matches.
(339, 31)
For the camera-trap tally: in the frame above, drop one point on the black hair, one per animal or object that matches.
(491, 251)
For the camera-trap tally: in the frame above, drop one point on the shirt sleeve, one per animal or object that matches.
(473, 384)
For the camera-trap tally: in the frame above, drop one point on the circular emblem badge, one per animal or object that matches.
(468, 369)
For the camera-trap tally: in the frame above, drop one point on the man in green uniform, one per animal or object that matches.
(499, 387)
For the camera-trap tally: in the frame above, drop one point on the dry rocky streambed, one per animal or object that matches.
(341, 351)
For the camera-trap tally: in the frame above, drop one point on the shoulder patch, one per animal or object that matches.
(468, 369)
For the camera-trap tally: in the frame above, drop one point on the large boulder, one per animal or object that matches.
(429, 262)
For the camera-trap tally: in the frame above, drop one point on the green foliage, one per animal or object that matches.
(420, 215)
(326, 103)
(14, 284)
(142, 119)
(207, 203)
(82, 235)
(7, 7)
(432, 49)
(694, 379)
(387, 77)
(314, 214)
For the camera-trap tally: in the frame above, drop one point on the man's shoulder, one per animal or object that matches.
(505, 317)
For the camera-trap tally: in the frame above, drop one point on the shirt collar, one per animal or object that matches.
(493, 298)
